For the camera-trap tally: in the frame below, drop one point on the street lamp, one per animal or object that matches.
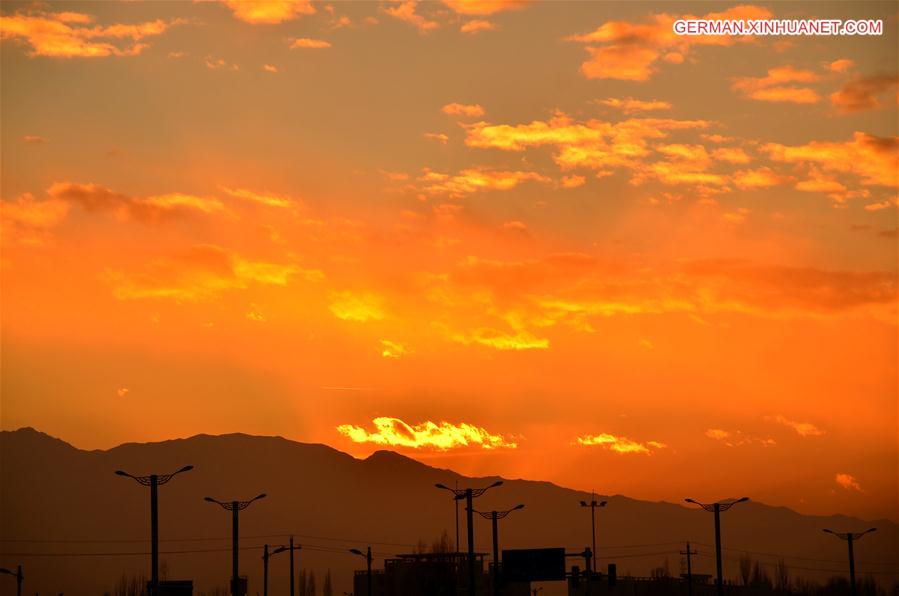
(456, 499)
(717, 508)
(154, 481)
(593, 504)
(234, 507)
(290, 548)
(18, 575)
(851, 537)
(494, 516)
(468, 494)
(367, 556)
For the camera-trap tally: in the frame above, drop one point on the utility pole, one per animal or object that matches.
(717, 509)
(154, 481)
(851, 537)
(19, 578)
(290, 548)
(689, 554)
(368, 559)
(265, 558)
(235, 507)
(593, 504)
(469, 494)
(494, 516)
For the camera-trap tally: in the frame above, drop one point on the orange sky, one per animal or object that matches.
(550, 241)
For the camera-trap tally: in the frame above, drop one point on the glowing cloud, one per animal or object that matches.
(358, 307)
(202, 273)
(803, 429)
(476, 179)
(476, 26)
(848, 482)
(462, 109)
(484, 7)
(630, 51)
(97, 198)
(771, 87)
(269, 12)
(393, 349)
(427, 435)
(267, 199)
(311, 44)
(629, 105)
(28, 221)
(621, 445)
(405, 11)
(737, 438)
(863, 93)
(72, 34)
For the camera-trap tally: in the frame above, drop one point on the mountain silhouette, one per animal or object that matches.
(58, 500)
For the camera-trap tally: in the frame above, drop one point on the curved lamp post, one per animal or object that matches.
(494, 516)
(717, 508)
(469, 494)
(18, 575)
(593, 504)
(154, 481)
(234, 507)
(368, 558)
(850, 537)
(291, 547)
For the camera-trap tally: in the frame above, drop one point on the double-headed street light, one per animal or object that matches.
(234, 507)
(494, 516)
(154, 481)
(469, 494)
(368, 558)
(593, 504)
(291, 547)
(18, 575)
(717, 508)
(851, 537)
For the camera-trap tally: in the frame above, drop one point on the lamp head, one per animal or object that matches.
(693, 501)
(495, 484)
(438, 485)
(259, 496)
(584, 504)
(356, 551)
(122, 473)
(517, 507)
(210, 499)
(185, 469)
(602, 503)
(742, 500)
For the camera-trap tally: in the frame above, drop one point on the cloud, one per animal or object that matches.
(484, 7)
(358, 307)
(737, 438)
(841, 65)
(476, 26)
(772, 86)
(475, 180)
(573, 181)
(441, 436)
(72, 34)
(269, 68)
(437, 136)
(269, 12)
(848, 482)
(497, 339)
(862, 94)
(629, 105)
(310, 44)
(759, 178)
(462, 109)
(803, 429)
(874, 160)
(393, 349)
(28, 221)
(631, 51)
(733, 155)
(202, 273)
(213, 63)
(97, 198)
(621, 445)
(405, 11)
(265, 198)
(34, 139)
